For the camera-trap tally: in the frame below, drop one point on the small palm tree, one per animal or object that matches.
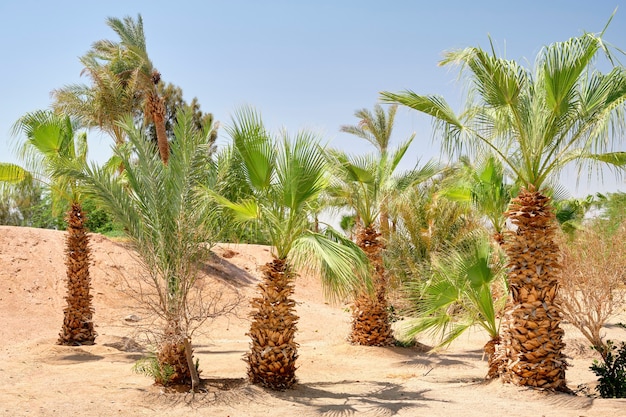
(283, 179)
(484, 187)
(52, 140)
(368, 185)
(536, 123)
(459, 294)
(164, 214)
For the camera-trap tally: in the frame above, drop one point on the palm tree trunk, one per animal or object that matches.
(370, 316)
(173, 355)
(78, 326)
(532, 339)
(273, 353)
(156, 106)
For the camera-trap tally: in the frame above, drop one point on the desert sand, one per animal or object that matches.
(40, 378)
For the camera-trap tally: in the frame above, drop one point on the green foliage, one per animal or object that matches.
(163, 212)
(274, 184)
(612, 210)
(537, 121)
(458, 293)
(150, 366)
(611, 372)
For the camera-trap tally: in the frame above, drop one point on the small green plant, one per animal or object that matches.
(150, 366)
(612, 373)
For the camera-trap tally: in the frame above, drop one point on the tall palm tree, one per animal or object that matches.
(163, 212)
(374, 127)
(52, 140)
(103, 104)
(284, 177)
(129, 59)
(536, 123)
(367, 185)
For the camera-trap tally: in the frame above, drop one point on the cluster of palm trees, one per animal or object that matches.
(425, 226)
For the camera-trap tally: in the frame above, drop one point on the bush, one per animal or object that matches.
(612, 373)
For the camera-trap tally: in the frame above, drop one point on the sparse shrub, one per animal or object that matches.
(612, 371)
(591, 285)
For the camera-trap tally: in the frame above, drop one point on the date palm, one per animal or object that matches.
(164, 214)
(283, 178)
(108, 100)
(536, 122)
(368, 185)
(129, 60)
(52, 140)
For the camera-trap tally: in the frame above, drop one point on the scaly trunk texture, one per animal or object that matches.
(532, 339)
(273, 352)
(77, 322)
(171, 353)
(370, 317)
(156, 106)
(493, 361)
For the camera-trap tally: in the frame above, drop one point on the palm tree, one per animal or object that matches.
(51, 140)
(283, 179)
(374, 127)
(536, 123)
(368, 184)
(428, 224)
(164, 213)
(129, 60)
(103, 104)
(460, 293)
(482, 185)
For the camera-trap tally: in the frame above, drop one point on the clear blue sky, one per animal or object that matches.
(302, 64)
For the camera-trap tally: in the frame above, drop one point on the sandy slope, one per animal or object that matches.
(39, 378)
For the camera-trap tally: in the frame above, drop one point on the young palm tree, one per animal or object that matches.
(484, 187)
(536, 123)
(368, 185)
(283, 178)
(458, 294)
(169, 224)
(129, 59)
(51, 140)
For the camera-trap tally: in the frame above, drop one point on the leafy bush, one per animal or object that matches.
(612, 373)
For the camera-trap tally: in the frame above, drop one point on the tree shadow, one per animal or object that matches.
(346, 398)
(227, 272)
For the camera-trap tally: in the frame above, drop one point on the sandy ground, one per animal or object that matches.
(39, 378)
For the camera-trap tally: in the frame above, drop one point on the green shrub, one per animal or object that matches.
(612, 373)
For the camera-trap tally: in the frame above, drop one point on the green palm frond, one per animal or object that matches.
(254, 146)
(341, 264)
(12, 173)
(458, 294)
(534, 121)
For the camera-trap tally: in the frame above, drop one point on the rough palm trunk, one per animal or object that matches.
(273, 351)
(78, 326)
(493, 361)
(172, 355)
(532, 339)
(156, 108)
(370, 316)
